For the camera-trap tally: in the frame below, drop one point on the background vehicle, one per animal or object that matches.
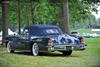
(42, 38)
(10, 32)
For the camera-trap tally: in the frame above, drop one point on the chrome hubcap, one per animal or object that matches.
(35, 49)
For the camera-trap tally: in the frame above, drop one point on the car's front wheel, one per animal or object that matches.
(35, 49)
(9, 47)
(67, 53)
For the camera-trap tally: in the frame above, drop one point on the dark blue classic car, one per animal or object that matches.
(44, 38)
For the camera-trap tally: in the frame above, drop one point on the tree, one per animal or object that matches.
(64, 24)
(0, 17)
(19, 17)
(33, 6)
(5, 4)
(47, 12)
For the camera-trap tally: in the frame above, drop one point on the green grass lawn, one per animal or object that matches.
(88, 58)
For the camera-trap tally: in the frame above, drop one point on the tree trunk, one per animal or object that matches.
(64, 14)
(19, 17)
(31, 2)
(33, 6)
(27, 17)
(5, 4)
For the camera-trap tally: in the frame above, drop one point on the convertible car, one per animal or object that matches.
(44, 38)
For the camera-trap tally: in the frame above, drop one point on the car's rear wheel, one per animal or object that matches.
(9, 47)
(67, 53)
(35, 49)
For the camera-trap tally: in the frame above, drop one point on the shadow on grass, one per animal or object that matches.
(46, 54)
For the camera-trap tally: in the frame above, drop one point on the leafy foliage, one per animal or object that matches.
(80, 10)
(92, 1)
(44, 12)
(47, 11)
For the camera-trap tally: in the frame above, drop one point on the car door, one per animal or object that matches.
(24, 41)
(15, 41)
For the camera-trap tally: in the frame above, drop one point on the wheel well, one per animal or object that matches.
(31, 44)
(6, 44)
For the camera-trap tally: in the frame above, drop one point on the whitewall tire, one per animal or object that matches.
(9, 50)
(35, 49)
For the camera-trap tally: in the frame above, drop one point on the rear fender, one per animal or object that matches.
(42, 43)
